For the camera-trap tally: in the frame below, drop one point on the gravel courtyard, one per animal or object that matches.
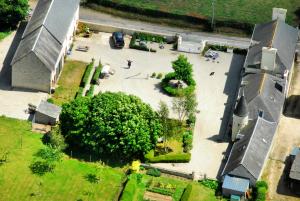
(215, 93)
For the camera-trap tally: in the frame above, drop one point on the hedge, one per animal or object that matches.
(168, 158)
(97, 74)
(187, 193)
(87, 73)
(261, 189)
(79, 92)
(150, 37)
(153, 172)
(90, 92)
(160, 191)
(175, 91)
(133, 45)
(129, 191)
(187, 141)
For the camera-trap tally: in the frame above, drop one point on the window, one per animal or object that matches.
(278, 87)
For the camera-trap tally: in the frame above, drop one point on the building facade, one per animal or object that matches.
(48, 36)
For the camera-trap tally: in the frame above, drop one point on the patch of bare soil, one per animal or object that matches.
(156, 197)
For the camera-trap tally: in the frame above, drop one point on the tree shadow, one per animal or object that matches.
(5, 74)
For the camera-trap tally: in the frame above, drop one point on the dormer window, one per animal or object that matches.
(278, 87)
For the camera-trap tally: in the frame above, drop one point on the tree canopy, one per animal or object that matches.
(113, 123)
(183, 68)
(11, 12)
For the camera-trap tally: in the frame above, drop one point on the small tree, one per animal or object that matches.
(163, 113)
(185, 106)
(55, 139)
(183, 69)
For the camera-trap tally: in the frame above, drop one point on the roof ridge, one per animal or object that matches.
(46, 16)
(274, 31)
(262, 83)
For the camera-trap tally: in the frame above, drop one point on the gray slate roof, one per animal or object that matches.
(250, 152)
(264, 92)
(295, 169)
(49, 109)
(46, 31)
(276, 34)
(241, 109)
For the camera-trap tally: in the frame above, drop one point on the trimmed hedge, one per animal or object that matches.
(187, 193)
(150, 37)
(87, 73)
(187, 141)
(210, 183)
(129, 191)
(175, 91)
(160, 191)
(79, 92)
(133, 44)
(90, 92)
(153, 172)
(168, 158)
(97, 74)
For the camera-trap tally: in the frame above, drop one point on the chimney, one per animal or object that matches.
(268, 58)
(279, 13)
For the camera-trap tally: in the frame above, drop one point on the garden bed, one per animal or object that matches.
(139, 41)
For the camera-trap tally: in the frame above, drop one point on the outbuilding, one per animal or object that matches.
(235, 186)
(47, 113)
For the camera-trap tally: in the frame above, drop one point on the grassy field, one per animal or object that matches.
(250, 11)
(69, 82)
(4, 34)
(195, 192)
(67, 182)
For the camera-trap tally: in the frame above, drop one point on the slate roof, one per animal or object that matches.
(264, 92)
(49, 109)
(251, 151)
(236, 184)
(46, 31)
(276, 34)
(295, 169)
(241, 109)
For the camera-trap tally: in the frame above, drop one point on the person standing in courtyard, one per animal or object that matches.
(129, 62)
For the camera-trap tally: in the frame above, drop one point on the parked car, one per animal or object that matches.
(118, 39)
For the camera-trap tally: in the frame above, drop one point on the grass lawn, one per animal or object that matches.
(67, 182)
(196, 192)
(4, 34)
(254, 11)
(69, 82)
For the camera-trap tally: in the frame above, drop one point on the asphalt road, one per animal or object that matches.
(187, 34)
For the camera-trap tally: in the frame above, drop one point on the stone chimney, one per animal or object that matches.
(279, 13)
(268, 58)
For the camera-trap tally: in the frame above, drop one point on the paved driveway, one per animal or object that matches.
(214, 93)
(14, 102)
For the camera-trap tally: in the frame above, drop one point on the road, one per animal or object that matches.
(97, 17)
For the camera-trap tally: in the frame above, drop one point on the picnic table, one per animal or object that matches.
(83, 48)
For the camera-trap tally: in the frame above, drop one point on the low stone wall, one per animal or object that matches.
(109, 29)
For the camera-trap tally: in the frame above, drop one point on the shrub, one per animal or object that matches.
(153, 75)
(133, 45)
(129, 191)
(41, 167)
(187, 192)
(150, 37)
(50, 100)
(262, 184)
(153, 172)
(49, 154)
(55, 139)
(160, 191)
(168, 158)
(92, 178)
(187, 141)
(191, 120)
(97, 74)
(210, 183)
(159, 75)
(261, 188)
(87, 73)
(79, 92)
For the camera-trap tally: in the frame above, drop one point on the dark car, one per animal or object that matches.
(118, 39)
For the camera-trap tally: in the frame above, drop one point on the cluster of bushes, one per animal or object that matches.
(224, 48)
(150, 37)
(153, 172)
(260, 191)
(187, 141)
(167, 158)
(157, 76)
(85, 79)
(210, 183)
(45, 161)
(177, 91)
(133, 44)
(97, 74)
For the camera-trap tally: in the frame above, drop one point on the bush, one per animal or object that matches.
(262, 184)
(176, 91)
(153, 172)
(187, 193)
(187, 141)
(222, 48)
(55, 139)
(160, 191)
(97, 74)
(49, 154)
(50, 100)
(129, 191)
(150, 37)
(79, 92)
(159, 75)
(191, 120)
(133, 45)
(210, 183)
(168, 158)
(41, 167)
(261, 188)
(153, 75)
(87, 73)
(90, 92)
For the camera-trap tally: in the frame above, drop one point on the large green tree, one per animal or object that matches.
(183, 68)
(11, 12)
(113, 123)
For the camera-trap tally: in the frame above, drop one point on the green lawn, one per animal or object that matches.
(67, 182)
(197, 192)
(69, 82)
(4, 34)
(250, 11)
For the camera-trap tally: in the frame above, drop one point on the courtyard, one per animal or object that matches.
(215, 93)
